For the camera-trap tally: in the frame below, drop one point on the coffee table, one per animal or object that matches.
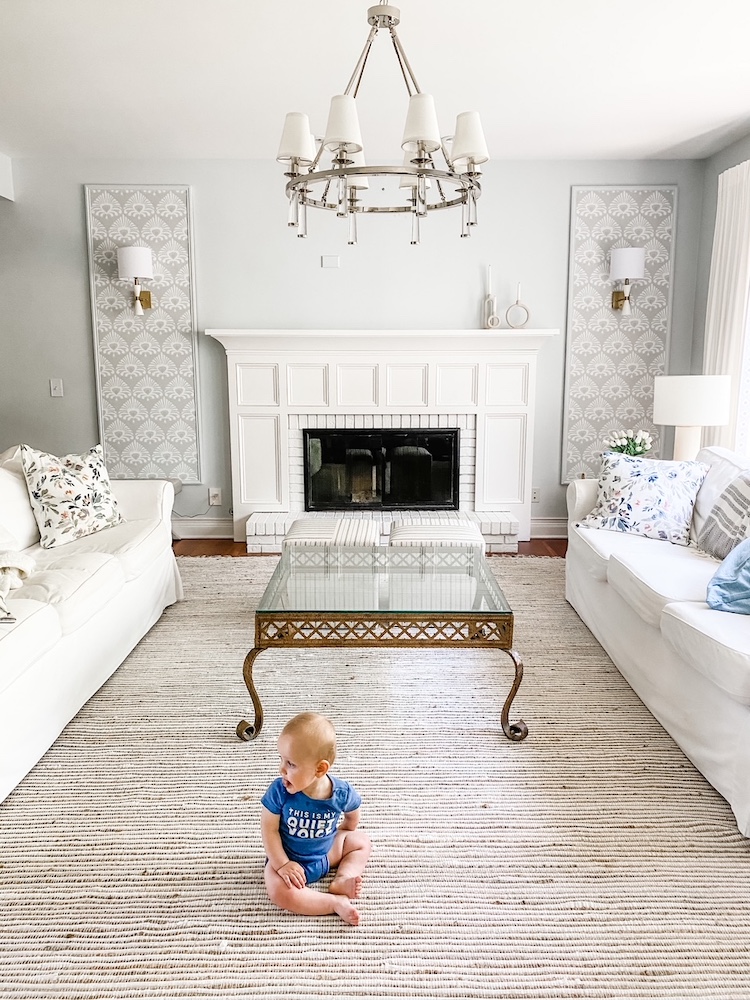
(423, 597)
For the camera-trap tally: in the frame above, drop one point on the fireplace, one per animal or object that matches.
(381, 469)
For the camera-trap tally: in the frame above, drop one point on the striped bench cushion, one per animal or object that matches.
(333, 531)
(466, 533)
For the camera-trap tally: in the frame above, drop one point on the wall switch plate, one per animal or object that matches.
(330, 260)
(535, 495)
(56, 387)
(214, 496)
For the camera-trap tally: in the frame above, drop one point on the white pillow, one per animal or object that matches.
(645, 496)
(18, 528)
(70, 496)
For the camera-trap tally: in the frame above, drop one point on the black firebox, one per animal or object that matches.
(381, 469)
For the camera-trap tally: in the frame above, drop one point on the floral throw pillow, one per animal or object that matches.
(70, 496)
(646, 496)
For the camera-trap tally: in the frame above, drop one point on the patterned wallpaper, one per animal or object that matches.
(146, 365)
(612, 359)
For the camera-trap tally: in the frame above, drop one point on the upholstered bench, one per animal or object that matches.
(333, 531)
(460, 533)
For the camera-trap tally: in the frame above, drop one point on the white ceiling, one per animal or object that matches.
(213, 79)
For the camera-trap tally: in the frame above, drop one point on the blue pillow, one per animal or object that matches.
(729, 587)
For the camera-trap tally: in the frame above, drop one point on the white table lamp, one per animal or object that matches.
(689, 403)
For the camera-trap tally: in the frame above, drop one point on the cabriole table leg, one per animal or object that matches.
(249, 730)
(515, 731)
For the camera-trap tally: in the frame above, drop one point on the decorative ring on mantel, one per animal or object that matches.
(517, 305)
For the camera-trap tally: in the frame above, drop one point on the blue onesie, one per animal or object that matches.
(308, 826)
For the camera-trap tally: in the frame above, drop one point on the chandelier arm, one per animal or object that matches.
(359, 69)
(404, 64)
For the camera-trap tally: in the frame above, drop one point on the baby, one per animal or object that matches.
(302, 827)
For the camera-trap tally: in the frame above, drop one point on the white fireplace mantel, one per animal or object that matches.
(483, 381)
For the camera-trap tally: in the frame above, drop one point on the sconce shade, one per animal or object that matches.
(343, 125)
(692, 400)
(421, 125)
(296, 140)
(134, 262)
(627, 262)
(468, 141)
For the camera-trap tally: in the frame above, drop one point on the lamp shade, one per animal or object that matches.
(134, 262)
(469, 142)
(359, 183)
(627, 262)
(343, 125)
(692, 400)
(296, 140)
(421, 125)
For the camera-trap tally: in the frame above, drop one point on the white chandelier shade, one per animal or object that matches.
(421, 131)
(344, 186)
(469, 142)
(342, 130)
(296, 140)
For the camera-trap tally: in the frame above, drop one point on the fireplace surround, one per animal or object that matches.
(284, 382)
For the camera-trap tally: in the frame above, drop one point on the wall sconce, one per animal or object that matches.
(626, 265)
(134, 263)
(689, 403)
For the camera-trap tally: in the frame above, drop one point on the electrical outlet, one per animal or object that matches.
(214, 496)
(535, 495)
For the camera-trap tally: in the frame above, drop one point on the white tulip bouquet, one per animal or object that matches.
(629, 443)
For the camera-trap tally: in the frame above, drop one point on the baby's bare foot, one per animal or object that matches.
(346, 910)
(350, 887)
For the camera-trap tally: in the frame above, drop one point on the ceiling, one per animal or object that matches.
(166, 79)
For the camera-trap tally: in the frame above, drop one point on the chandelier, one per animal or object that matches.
(419, 185)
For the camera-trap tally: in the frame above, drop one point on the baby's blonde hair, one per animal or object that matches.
(317, 732)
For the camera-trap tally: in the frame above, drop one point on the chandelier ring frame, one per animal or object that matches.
(467, 184)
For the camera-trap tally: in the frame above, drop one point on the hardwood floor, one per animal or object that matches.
(226, 547)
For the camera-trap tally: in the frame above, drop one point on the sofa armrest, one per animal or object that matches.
(144, 498)
(581, 497)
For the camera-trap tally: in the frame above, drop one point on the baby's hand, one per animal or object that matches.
(293, 874)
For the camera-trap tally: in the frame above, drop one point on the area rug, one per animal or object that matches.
(591, 860)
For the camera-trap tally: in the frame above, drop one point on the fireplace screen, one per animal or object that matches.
(381, 469)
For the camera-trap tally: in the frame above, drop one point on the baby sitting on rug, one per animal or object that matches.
(302, 827)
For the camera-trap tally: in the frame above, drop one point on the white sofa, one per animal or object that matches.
(79, 613)
(644, 600)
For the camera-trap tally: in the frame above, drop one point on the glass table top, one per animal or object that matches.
(384, 579)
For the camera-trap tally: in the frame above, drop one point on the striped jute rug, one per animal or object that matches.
(592, 860)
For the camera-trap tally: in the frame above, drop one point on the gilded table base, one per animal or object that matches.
(311, 629)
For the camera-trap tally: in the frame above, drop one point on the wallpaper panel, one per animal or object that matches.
(611, 359)
(145, 365)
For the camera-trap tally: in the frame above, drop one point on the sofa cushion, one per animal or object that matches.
(646, 496)
(36, 629)
(18, 525)
(70, 496)
(135, 544)
(649, 581)
(715, 644)
(723, 467)
(595, 548)
(76, 585)
(729, 520)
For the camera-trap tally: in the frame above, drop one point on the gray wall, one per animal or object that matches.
(252, 272)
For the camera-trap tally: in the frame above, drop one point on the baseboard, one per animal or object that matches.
(549, 527)
(202, 527)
